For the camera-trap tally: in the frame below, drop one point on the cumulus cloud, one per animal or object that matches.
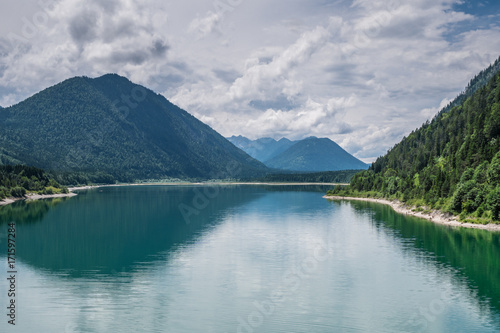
(206, 25)
(271, 74)
(363, 73)
(79, 38)
(83, 27)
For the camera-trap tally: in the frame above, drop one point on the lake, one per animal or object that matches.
(242, 259)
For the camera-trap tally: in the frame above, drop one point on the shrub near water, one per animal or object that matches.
(16, 181)
(18, 192)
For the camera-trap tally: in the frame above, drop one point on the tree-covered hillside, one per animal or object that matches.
(343, 176)
(16, 181)
(450, 163)
(479, 81)
(110, 128)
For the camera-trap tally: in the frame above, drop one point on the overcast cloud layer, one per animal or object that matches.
(361, 72)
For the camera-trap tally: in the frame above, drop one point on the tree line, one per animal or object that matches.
(17, 180)
(451, 163)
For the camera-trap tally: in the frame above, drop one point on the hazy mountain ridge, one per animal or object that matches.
(111, 125)
(315, 154)
(308, 155)
(262, 149)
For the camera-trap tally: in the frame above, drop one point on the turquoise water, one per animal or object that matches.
(242, 259)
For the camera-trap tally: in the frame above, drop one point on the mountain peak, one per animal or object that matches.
(109, 125)
(308, 155)
(314, 155)
(261, 149)
(112, 77)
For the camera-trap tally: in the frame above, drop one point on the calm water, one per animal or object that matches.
(242, 259)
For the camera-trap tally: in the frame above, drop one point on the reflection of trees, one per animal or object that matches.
(113, 229)
(297, 188)
(27, 211)
(472, 252)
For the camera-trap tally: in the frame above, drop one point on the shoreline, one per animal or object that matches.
(217, 184)
(434, 216)
(32, 196)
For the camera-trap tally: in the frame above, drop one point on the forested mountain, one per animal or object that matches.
(262, 149)
(314, 155)
(112, 127)
(450, 163)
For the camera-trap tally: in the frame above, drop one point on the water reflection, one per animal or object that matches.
(472, 255)
(125, 260)
(110, 229)
(27, 211)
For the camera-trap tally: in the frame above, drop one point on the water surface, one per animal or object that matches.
(243, 259)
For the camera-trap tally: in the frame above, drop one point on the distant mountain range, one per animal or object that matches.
(110, 125)
(262, 149)
(308, 155)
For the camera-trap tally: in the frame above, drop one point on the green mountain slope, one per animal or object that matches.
(110, 125)
(451, 163)
(262, 149)
(314, 155)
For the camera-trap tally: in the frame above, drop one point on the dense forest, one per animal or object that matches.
(343, 176)
(110, 129)
(451, 163)
(17, 180)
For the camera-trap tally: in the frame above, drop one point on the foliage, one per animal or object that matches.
(451, 163)
(17, 180)
(18, 192)
(85, 178)
(343, 176)
(108, 129)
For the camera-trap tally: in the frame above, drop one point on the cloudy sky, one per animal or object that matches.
(361, 72)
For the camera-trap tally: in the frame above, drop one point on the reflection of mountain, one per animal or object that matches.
(473, 253)
(111, 229)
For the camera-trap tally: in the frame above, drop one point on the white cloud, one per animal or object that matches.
(429, 113)
(206, 25)
(364, 73)
(276, 74)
